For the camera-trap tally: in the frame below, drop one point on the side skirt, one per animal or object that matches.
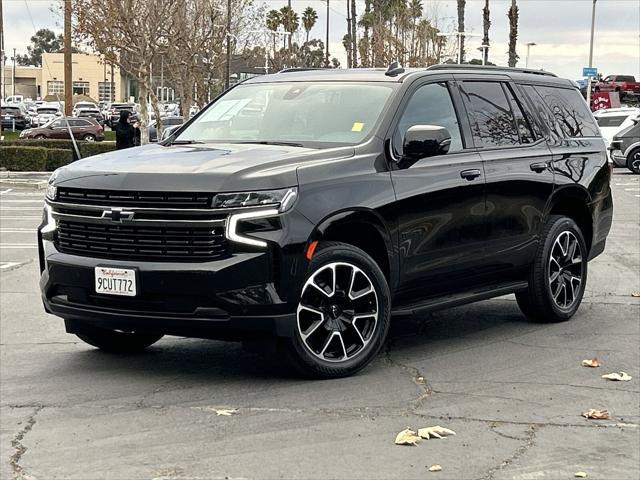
(457, 299)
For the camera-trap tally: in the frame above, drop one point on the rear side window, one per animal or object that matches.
(524, 123)
(610, 121)
(492, 121)
(570, 111)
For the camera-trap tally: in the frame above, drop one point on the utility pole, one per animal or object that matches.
(593, 28)
(68, 97)
(3, 80)
(326, 47)
(529, 45)
(13, 80)
(227, 75)
(112, 86)
(349, 36)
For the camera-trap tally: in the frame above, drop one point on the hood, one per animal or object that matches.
(203, 168)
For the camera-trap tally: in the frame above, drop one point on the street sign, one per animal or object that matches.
(589, 72)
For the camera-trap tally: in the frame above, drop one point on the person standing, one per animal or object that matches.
(125, 133)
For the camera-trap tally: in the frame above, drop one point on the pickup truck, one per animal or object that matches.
(625, 84)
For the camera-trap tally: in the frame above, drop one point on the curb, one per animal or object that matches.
(7, 174)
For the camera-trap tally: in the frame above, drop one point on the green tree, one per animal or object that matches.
(309, 19)
(290, 22)
(461, 5)
(43, 41)
(513, 33)
(486, 24)
(273, 21)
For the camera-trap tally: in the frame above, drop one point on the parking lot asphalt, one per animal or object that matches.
(512, 391)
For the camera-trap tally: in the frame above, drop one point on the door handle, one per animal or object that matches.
(470, 174)
(538, 167)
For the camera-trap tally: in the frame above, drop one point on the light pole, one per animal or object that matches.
(483, 49)
(227, 75)
(13, 81)
(529, 45)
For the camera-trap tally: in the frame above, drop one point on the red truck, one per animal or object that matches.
(624, 84)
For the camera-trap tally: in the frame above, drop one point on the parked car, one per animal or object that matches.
(83, 106)
(623, 84)
(625, 146)
(166, 122)
(355, 196)
(14, 99)
(46, 113)
(91, 113)
(114, 112)
(167, 132)
(14, 117)
(611, 121)
(82, 129)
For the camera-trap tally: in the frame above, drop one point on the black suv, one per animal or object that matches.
(305, 209)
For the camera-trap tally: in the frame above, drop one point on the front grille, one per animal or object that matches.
(147, 243)
(126, 198)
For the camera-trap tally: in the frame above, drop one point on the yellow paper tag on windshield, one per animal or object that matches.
(357, 127)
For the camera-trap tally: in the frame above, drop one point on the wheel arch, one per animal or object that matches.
(573, 201)
(365, 229)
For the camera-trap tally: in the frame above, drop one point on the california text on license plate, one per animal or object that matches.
(116, 281)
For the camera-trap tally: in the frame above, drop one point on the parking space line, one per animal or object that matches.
(4, 192)
(20, 208)
(5, 265)
(30, 217)
(20, 201)
(17, 230)
(14, 246)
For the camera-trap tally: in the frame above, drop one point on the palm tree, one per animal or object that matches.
(513, 33)
(309, 19)
(415, 12)
(273, 21)
(461, 5)
(290, 21)
(486, 24)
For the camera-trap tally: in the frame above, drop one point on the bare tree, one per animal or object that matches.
(130, 34)
(461, 6)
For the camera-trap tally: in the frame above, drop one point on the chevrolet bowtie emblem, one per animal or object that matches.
(118, 215)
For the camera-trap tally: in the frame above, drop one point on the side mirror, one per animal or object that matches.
(422, 141)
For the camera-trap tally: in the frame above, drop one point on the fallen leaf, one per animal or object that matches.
(580, 474)
(407, 437)
(593, 363)
(635, 294)
(226, 412)
(434, 432)
(617, 377)
(596, 414)
(435, 468)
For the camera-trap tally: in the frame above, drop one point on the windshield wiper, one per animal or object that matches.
(265, 142)
(185, 142)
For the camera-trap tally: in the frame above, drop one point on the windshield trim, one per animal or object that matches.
(393, 86)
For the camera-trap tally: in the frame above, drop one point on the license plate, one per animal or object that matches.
(116, 281)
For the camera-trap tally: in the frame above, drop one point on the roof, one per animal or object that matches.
(379, 74)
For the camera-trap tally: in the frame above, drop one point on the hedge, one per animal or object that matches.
(57, 157)
(87, 149)
(24, 159)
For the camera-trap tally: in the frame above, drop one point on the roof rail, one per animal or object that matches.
(491, 68)
(300, 69)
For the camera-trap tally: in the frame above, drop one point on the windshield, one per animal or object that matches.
(310, 114)
(47, 111)
(10, 111)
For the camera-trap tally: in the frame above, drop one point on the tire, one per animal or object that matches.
(633, 161)
(39, 137)
(549, 300)
(116, 341)
(343, 314)
(89, 138)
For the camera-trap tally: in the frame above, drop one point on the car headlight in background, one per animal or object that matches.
(279, 202)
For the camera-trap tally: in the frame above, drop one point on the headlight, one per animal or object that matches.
(279, 200)
(52, 190)
(283, 199)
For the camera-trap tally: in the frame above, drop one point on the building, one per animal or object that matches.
(91, 75)
(28, 81)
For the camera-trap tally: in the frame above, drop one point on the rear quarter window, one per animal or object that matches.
(570, 111)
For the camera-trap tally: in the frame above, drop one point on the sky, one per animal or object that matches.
(560, 29)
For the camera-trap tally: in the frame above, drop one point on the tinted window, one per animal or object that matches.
(570, 111)
(610, 121)
(625, 78)
(430, 105)
(523, 123)
(492, 121)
